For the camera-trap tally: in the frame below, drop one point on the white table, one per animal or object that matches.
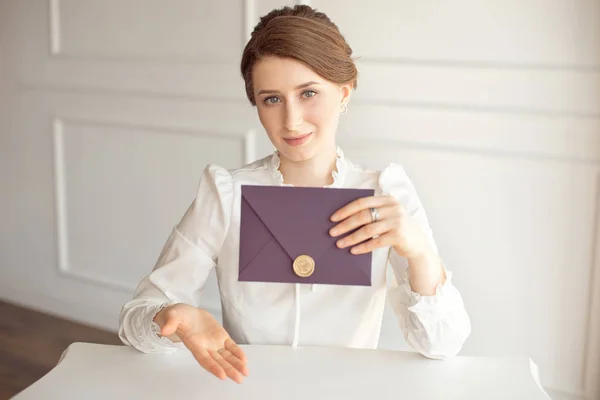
(93, 371)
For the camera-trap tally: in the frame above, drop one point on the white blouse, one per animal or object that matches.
(286, 313)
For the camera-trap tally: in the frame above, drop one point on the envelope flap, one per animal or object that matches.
(299, 217)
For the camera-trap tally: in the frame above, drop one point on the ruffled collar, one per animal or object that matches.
(338, 174)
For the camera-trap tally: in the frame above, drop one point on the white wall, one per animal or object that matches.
(493, 108)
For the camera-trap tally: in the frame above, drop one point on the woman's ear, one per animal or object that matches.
(346, 91)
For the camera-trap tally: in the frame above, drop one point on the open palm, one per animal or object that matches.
(206, 339)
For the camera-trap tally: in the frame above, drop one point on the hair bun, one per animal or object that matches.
(305, 34)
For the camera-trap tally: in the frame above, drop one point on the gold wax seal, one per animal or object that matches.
(304, 266)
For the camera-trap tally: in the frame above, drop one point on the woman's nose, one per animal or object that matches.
(293, 117)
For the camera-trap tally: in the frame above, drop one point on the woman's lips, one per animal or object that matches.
(298, 140)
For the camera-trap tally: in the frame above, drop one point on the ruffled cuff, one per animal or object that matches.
(144, 334)
(435, 325)
(435, 306)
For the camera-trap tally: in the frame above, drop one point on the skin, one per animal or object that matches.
(300, 112)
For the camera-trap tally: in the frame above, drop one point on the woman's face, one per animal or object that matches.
(298, 108)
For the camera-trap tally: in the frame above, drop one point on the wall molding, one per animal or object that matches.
(250, 19)
(128, 93)
(54, 25)
(476, 109)
(166, 128)
(57, 50)
(64, 265)
(250, 146)
(60, 196)
(479, 64)
(362, 142)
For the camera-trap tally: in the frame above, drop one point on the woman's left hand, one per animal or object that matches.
(393, 228)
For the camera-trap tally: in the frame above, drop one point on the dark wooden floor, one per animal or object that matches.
(31, 344)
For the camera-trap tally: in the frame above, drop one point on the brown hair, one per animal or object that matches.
(304, 34)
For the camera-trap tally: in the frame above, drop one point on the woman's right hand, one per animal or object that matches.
(204, 337)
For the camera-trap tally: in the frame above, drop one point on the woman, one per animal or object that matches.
(299, 74)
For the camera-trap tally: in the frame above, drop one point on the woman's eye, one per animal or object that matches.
(309, 93)
(271, 100)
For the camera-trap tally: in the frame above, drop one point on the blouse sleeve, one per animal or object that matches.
(437, 325)
(184, 263)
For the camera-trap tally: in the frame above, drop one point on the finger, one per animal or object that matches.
(368, 246)
(235, 362)
(366, 232)
(363, 203)
(204, 358)
(359, 219)
(229, 369)
(209, 364)
(236, 350)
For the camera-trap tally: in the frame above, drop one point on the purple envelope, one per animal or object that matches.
(281, 223)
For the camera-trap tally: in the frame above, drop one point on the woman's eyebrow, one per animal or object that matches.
(266, 91)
